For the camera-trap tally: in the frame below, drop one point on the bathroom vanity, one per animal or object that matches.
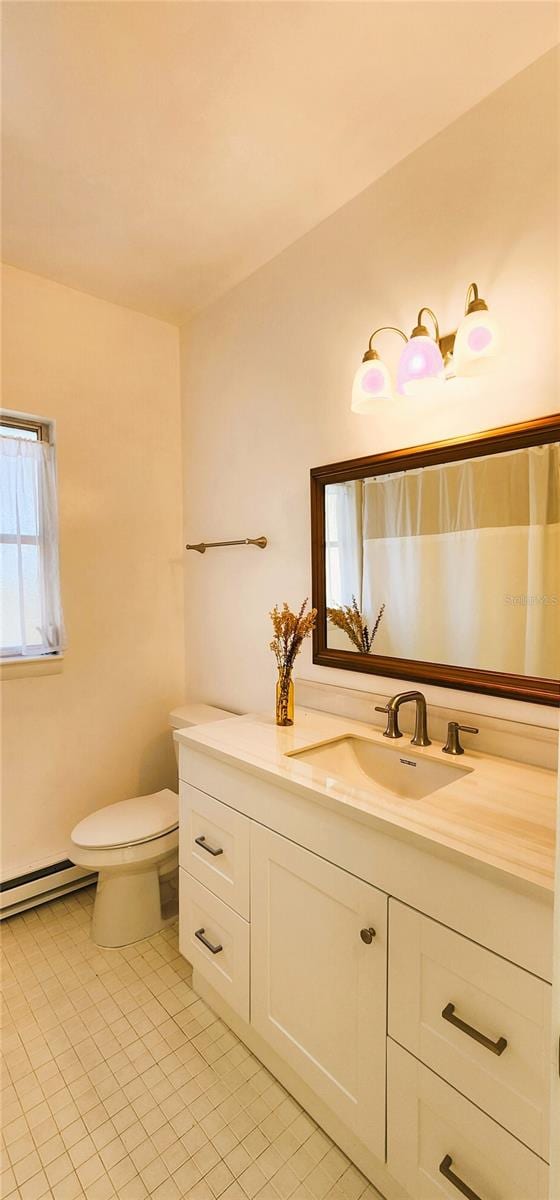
(375, 921)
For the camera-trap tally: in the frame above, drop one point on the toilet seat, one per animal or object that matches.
(129, 822)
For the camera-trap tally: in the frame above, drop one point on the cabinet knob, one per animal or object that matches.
(367, 935)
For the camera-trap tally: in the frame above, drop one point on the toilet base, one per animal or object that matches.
(128, 906)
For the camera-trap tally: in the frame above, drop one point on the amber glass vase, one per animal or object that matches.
(284, 699)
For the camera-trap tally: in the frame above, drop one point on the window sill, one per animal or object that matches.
(40, 664)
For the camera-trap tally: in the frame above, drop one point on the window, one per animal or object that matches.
(30, 609)
(343, 542)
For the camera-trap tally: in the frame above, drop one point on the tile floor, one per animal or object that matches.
(118, 1081)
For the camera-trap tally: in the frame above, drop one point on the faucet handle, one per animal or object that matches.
(392, 728)
(453, 744)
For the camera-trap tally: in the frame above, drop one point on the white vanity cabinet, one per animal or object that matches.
(318, 979)
(333, 948)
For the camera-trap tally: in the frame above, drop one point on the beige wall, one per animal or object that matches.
(97, 731)
(266, 379)
(267, 371)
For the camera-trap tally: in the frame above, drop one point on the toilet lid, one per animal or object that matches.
(129, 822)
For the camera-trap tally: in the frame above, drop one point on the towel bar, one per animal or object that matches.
(261, 542)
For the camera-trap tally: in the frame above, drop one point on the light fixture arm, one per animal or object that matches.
(473, 303)
(382, 328)
(472, 289)
(421, 328)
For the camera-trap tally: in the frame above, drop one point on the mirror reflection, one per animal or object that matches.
(456, 563)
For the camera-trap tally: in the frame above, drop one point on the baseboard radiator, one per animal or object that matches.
(45, 883)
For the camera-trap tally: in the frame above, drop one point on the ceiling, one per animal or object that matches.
(157, 153)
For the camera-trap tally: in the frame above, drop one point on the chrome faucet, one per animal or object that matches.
(391, 708)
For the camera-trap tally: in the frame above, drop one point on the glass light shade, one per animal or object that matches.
(420, 366)
(372, 382)
(477, 344)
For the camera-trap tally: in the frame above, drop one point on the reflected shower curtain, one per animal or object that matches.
(467, 558)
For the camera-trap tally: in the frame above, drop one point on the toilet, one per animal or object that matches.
(133, 845)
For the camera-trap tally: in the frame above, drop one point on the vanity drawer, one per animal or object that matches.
(214, 847)
(434, 971)
(437, 1140)
(223, 957)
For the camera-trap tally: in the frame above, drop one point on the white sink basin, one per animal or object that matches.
(361, 763)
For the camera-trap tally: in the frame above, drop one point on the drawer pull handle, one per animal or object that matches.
(498, 1047)
(214, 850)
(463, 1188)
(367, 935)
(199, 933)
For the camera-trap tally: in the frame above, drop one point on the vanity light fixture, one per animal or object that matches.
(427, 361)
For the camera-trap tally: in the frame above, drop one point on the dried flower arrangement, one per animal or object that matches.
(290, 630)
(349, 618)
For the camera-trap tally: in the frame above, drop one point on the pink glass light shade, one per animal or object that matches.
(420, 365)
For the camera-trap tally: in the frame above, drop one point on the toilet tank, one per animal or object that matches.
(195, 714)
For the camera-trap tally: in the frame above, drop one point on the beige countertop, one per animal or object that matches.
(501, 813)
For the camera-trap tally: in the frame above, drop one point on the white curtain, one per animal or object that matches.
(30, 612)
(467, 557)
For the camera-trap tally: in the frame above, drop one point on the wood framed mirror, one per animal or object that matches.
(457, 544)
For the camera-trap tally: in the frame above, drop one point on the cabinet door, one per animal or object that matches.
(215, 939)
(442, 1146)
(318, 990)
(214, 847)
(444, 993)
